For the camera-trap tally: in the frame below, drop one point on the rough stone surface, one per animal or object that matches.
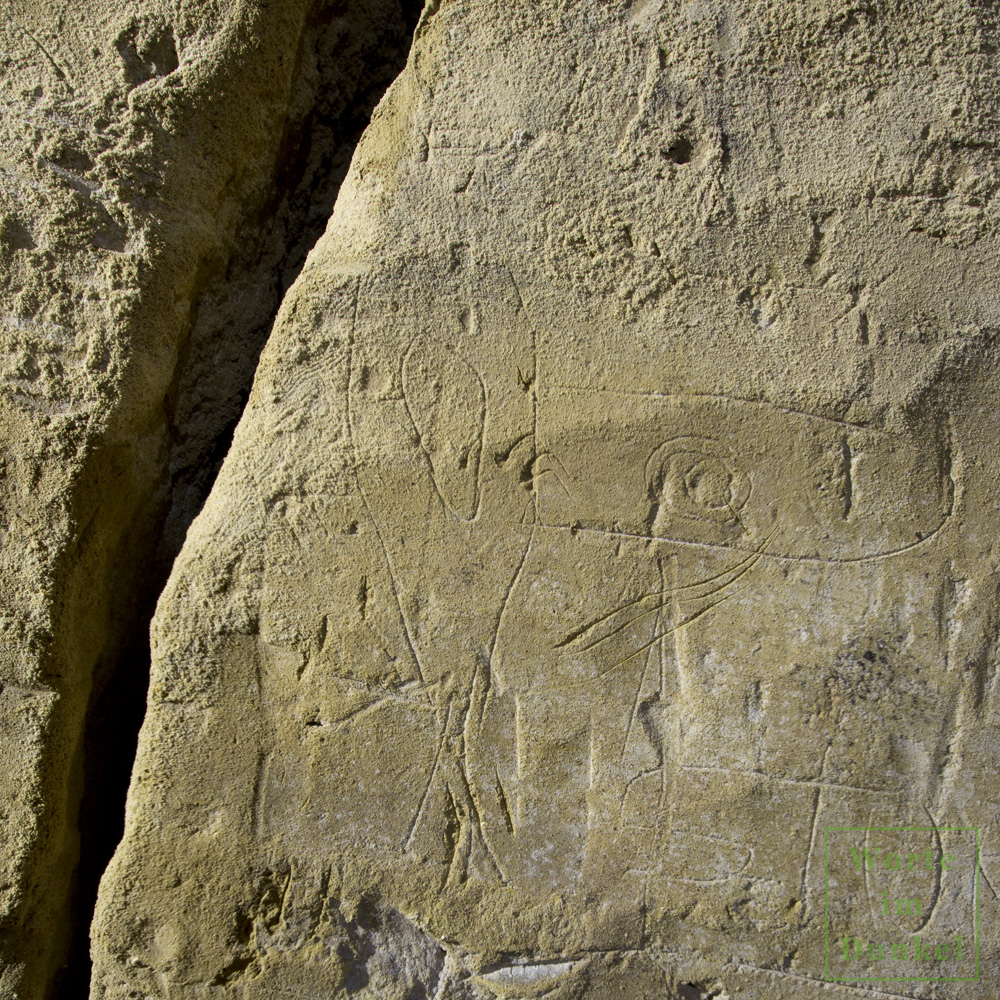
(614, 512)
(164, 167)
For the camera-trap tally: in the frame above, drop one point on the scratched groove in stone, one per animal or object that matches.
(613, 514)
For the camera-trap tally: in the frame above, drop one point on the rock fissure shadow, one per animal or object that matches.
(204, 404)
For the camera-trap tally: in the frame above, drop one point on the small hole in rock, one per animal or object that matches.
(680, 150)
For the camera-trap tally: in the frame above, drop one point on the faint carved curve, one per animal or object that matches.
(633, 715)
(477, 697)
(742, 865)
(927, 539)
(721, 398)
(418, 666)
(691, 477)
(430, 778)
(753, 773)
(590, 634)
(547, 463)
(936, 895)
(510, 589)
(446, 402)
(700, 613)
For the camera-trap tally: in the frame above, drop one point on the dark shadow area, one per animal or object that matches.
(211, 385)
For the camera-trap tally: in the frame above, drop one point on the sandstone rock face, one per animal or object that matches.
(160, 165)
(611, 525)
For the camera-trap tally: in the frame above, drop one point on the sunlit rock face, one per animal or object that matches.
(605, 559)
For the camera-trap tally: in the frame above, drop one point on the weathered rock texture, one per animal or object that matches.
(614, 511)
(164, 168)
